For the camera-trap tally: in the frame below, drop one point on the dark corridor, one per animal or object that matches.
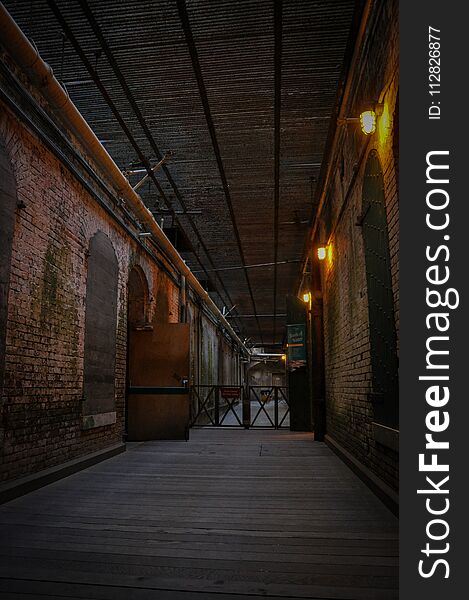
(199, 299)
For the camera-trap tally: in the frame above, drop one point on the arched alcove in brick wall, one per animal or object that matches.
(137, 298)
(8, 205)
(380, 299)
(137, 319)
(100, 328)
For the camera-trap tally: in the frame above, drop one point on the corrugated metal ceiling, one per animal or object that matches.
(235, 45)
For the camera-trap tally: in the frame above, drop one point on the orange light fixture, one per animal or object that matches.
(368, 122)
(322, 252)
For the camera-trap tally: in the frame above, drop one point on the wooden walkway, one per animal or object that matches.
(230, 514)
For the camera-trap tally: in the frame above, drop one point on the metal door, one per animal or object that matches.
(158, 372)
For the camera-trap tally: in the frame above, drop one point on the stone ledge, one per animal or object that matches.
(386, 436)
(24, 485)
(381, 489)
(98, 420)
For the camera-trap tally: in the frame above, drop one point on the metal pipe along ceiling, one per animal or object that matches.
(181, 4)
(53, 6)
(40, 73)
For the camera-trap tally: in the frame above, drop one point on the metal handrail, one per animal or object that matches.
(210, 404)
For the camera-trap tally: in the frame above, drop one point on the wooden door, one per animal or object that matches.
(158, 370)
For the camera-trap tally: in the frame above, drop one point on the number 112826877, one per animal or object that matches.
(434, 72)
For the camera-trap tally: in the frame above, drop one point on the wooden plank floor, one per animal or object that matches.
(230, 514)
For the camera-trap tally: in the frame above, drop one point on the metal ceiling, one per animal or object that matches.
(241, 92)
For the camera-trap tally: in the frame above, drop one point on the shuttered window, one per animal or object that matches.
(100, 327)
(384, 363)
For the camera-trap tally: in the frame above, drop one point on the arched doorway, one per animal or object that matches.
(383, 346)
(100, 332)
(137, 299)
(137, 306)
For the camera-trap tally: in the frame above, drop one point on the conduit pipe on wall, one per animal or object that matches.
(365, 16)
(26, 56)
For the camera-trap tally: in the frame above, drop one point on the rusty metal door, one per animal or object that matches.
(158, 372)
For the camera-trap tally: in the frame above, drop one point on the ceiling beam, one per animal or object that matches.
(277, 107)
(257, 316)
(92, 72)
(183, 15)
(256, 266)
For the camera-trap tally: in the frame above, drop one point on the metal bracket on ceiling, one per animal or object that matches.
(158, 165)
(225, 312)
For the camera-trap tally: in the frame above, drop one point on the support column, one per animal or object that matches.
(317, 369)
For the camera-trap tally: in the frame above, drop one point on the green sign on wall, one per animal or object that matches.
(296, 345)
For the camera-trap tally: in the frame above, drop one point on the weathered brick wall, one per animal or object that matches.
(209, 353)
(346, 321)
(42, 400)
(228, 365)
(213, 356)
(193, 320)
(43, 386)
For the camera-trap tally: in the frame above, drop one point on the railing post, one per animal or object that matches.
(276, 406)
(217, 406)
(246, 407)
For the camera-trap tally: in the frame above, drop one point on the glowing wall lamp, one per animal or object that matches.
(306, 297)
(368, 122)
(368, 119)
(322, 252)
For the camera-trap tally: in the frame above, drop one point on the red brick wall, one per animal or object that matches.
(346, 326)
(42, 403)
(42, 408)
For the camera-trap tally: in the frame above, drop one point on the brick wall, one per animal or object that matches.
(214, 359)
(42, 402)
(346, 322)
(43, 384)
